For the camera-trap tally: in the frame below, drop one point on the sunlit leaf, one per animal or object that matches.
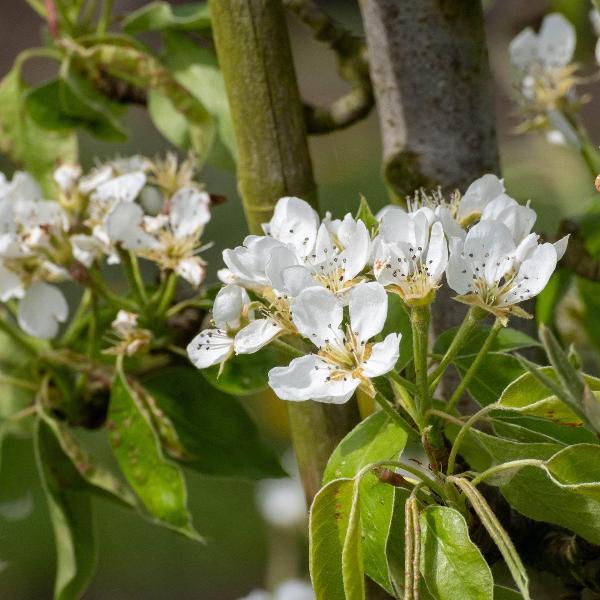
(158, 483)
(451, 563)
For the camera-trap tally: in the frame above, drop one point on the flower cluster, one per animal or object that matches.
(323, 286)
(119, 211)
(548, 77)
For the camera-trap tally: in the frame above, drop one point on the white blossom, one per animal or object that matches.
(289, 589)
(410, 254)
(41, 310)
(282, 502)
(488, 269)
(131, 337)
(345, 358)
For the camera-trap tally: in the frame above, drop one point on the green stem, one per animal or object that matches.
(513, 464)
(79, 320)
(167, 295)
(402, 381)
(28, 344)
(460, 390)
(16, 382)
(99, 285)
(104, 21)
(134, 277)
(471, 320)
(393, 414)
(190, 303)
(419, 318)
(287, 348)
(463, 432)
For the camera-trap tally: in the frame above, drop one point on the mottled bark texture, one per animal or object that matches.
(273, 161)
(430, 72)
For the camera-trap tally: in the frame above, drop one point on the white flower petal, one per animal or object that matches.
(151, 199)
(294, 589)
(192, 270)
(10, 285)
(384, 356)
(561, 247)
(317, 314)
(229, 303)
(459, 273)
(393, 224)
(124, 188)
(41, 310)
(479, 194)
(523, 49)
(280, 259)
(67, 175)
(295, 223)
(247, 263)
(309, 378)
(533, 275)
(256, 335)
(210, 347)
(85, 248)
(124, 226)
(355, 256)
(557, 40)
(368, 306)
(189, 212)
(297, 279)
(88, 183)
(437, 253)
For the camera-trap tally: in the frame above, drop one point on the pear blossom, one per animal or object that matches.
(345, 358)
(410, 254)
(282, 502)
(215, 345)
(488, 269)
(170, 239)
(289, 589)
(544, 62)
(131, 337)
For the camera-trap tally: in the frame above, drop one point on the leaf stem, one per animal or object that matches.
(524, 462)
(167, 295)
(463, 432)
(287, 348)
(79, 320)
(134, 278)
(393, 414)
(474, 367)
(472, 318)
(402, 381)
(23, 340)
(100, 286)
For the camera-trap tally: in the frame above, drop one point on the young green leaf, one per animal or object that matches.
(528, 395)
(497, 533)
(171, 123)
(398, 321)
(217, 435)
(333, 535)
(70, 508)
(158, 16)
(365, 214)
(24, 141)
(504, 593)
(375, 439)
(553, 503)
(507, 340)
(452, 565)
(158, 483)
(352, 560)
(552, 294)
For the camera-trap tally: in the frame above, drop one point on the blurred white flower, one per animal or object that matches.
(345, 359)
(131, 338)
(282, 502)
(290, 589)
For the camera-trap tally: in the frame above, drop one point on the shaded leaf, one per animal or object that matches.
(507, 339)
(577, 468)
(398, 321)
(157, 16)
(21, 138)
(452, 565)
(218, 436)
(171, 123)
(71, 515)
(551, 295)
(365, 214)
(158, 483)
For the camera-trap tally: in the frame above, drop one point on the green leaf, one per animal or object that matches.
(577, 468)
(168, 120)
(244, 374)
(398, 321)
(375, 439)
(21, 138)
(495, 373)
(71, 515)
(528, 395)
(504, 593)
(534, 494)
(80, 101)
(452, 565)
(43, 105)
(218, 436)
(158, 16)
(589, 292)
(365, 214)
(352, 561)
(196, 69)
(158, 483)
(328, 528)
(506, 340)
(552, 294)
(99, 479)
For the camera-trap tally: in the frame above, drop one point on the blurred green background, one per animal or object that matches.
(140, 561)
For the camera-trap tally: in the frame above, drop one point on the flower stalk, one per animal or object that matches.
(420, 318)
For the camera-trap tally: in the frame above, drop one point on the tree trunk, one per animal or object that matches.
(433, 89)
(273, 161)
